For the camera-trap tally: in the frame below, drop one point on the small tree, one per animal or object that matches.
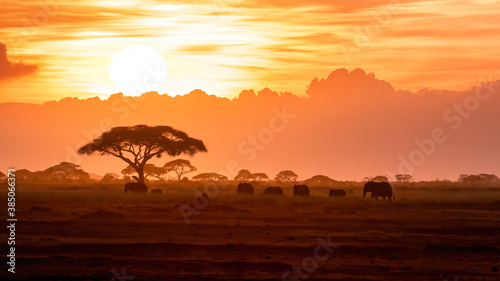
(244, 175)
(286, 176)
(260, 177)
(376, 179)
(129, 170)
(110, 177)
(64, 171)
(481, 179)
(403, 178)
(210, 177)
(149, 170)
(320, 179)
(138, 144)
(179, 167)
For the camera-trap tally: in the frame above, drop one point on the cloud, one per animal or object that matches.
(13, 70)
(351, 125)
(200, 49)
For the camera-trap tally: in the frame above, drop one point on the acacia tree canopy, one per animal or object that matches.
(179, 167)
(244, 175)
(136, 145)
(285, 176)
(210, 176)
(149, 170)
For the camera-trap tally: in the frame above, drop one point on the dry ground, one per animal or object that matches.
(426, 234)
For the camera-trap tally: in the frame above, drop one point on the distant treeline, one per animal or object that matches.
(67, 172)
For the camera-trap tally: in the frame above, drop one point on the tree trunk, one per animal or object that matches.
(140, 172)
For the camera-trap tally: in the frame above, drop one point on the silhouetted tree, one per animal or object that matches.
(481, 179)
(179, 167)
(244, 175)
(129, 170)
(149, 170)
(462, 177)
(210, 177)
(64, 171)
(260, 177)
(320, 179)
(110, 177)
(403, 178)
(286, 175)
(138, 144)
(489, 178)
(376, 179)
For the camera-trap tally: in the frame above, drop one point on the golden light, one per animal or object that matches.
(137, 69)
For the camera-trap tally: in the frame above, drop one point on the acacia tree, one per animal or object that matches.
(320, 179)
(376, 179)
(179, 167)
(244, 175)
(210, 177)
(110, 177)
(260, 176)
(286, 175)
(149, 170)
(403, 178)
(64, 171)
(137, 145)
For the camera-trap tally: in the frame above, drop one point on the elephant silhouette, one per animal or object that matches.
(300, 190)
(337, 193)
(135, 187)
(382, 189)
(245, 188)
(273, 190)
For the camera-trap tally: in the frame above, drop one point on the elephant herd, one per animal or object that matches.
(377, 189)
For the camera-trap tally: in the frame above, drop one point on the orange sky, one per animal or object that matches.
(60, 48)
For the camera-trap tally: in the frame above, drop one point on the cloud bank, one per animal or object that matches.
(350, 125)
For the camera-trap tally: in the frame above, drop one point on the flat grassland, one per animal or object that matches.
(442, 232)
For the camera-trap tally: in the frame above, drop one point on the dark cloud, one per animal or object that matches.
(13, 70)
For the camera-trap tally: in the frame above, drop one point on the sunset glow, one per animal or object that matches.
(250, 139)
(224, 47)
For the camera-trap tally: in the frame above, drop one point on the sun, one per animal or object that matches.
(137, 69)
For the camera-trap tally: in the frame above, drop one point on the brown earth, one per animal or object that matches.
(77, 236)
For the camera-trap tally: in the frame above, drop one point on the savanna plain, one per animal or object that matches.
(432, 231)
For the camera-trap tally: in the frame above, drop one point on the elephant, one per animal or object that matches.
(300, 190)
(337, 193)
(156, 191)
(245, 188)
(382, 189)
(135, 187)
(273, 190)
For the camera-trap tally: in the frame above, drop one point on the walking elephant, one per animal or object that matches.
(337, 193)
(245, 188)
(135, 187)
(300, 190)
(382, 189)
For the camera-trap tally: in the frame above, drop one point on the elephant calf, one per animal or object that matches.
(337, 193)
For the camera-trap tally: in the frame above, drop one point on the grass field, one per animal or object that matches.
(96, 232)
